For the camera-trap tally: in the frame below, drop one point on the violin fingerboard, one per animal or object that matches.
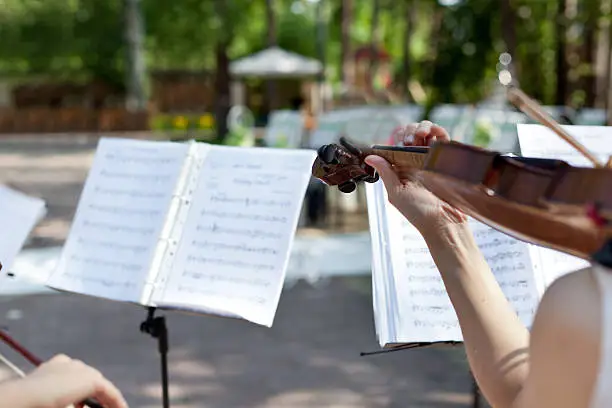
(402, 161)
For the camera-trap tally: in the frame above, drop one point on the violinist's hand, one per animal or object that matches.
(422, 209)
(62, 382)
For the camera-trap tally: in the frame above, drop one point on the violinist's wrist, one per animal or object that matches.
(451, 241)
(443, 229)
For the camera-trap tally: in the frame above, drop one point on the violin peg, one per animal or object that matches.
(372, 179)
(347, 187)
(327, 154)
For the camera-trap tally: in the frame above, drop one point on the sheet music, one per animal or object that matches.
(19, 214)
(382, 303)
(511, 263)
(235, 244)
(119, 218)
(424, 308)
(541, 142)
(426, 312)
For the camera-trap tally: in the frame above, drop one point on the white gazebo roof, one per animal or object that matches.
(275, 62)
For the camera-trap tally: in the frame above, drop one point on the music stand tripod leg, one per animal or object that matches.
(156, 328)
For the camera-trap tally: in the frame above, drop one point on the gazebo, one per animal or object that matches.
(272, 63)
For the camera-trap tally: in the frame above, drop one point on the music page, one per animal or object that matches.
(540, 142)
(424, 308)
(237, 236)
(426, 313)
(511, 263)
(381, 300)
(19, 214)
(119, 218)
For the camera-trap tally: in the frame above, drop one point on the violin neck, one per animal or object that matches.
(403, 159)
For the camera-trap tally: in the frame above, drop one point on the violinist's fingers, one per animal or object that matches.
(385, 171)
(438, 134)
(407, 134)
(422, 133)
(108, 395)
(57, 359)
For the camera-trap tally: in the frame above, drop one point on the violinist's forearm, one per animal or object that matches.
(495, 339)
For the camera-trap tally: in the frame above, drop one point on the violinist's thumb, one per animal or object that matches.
(385, 171)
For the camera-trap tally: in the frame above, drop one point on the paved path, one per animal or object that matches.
(309, 358)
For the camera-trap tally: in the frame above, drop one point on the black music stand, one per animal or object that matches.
(156, 328)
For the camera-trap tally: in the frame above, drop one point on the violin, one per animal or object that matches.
(543, 201)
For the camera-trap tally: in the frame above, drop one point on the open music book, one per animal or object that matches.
(409, 299)
(191, 226)
(19, 214)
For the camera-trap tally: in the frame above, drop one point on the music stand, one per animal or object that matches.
(156, 328)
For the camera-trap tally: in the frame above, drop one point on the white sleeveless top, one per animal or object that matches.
(602, 395)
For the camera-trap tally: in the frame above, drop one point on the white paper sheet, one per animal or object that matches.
(238, 233)
(119, 218)
(19, 214)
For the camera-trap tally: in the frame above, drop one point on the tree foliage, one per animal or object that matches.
(453, 48)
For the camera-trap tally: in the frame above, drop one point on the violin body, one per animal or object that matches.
(542, 201)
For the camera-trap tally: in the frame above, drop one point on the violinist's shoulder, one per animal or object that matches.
(571, 303)
(573, 298)
(564, 344)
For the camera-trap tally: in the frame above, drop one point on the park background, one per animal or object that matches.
(284, 73)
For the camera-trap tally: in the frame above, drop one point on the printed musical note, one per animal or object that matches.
(235, 215)
(237, 233)
(243, 232)
(119, 219)
(223, 198)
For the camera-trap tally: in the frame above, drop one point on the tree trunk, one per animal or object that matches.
(222, 74)
(562, 65)
(222, 89)
(272, 41)
(508, 21)
(603, 58)
(609, 79)
(409, 20)
(590, 31)
(136, 99)
(346, 71)
(374, 42)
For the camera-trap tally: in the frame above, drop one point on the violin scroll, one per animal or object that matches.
(343, 165)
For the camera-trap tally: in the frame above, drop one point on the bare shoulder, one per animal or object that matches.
(565, 341)
(573, 301)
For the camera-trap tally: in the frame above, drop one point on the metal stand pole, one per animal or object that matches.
(156, 327)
